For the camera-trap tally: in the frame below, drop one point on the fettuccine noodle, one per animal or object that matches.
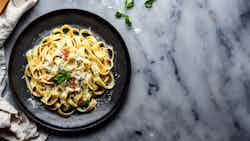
(68, 69)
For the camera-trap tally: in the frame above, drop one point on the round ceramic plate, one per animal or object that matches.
(32, 35)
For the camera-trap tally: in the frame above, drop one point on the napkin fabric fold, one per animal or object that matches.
(14, 125)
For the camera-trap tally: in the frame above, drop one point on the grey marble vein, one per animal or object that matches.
(191, 69)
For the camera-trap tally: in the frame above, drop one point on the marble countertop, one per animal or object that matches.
(190, 69)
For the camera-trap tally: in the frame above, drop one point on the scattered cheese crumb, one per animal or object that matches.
(137, 30)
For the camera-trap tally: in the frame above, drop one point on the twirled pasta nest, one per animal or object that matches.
(68, 69)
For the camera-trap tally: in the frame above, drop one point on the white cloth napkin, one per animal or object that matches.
(14, 125)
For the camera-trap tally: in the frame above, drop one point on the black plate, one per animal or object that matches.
(41, 27)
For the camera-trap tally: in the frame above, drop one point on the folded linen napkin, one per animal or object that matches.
(14, 125)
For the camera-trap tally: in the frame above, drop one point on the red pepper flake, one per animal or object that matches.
(65, 54)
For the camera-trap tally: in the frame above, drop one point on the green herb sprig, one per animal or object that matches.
(62, 76)
(119, 14)
(129, 4)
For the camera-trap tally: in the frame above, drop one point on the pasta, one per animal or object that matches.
(68, 69)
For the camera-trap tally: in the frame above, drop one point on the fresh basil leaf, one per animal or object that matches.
(127, 20)
(129, 3)
(118, 14)
(149, 3)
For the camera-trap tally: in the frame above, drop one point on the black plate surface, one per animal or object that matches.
(31, 36)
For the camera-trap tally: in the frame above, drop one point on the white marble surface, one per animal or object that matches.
(191, 69)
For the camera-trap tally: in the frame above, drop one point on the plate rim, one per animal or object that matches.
(107, 116)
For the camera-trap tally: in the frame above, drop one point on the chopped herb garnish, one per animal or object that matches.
(149, 3)
(61, 77)
(129, 4)
(127, 21)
